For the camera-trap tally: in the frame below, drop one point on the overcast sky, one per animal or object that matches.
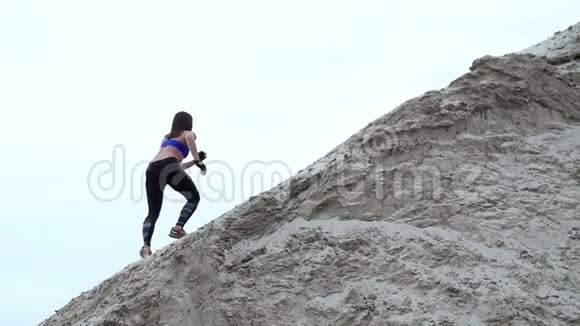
(88, 88)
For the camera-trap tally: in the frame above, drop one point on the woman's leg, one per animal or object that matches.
(182, 183)
(154, 186)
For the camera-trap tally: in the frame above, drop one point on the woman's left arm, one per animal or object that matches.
(187, 165)
(190, 138)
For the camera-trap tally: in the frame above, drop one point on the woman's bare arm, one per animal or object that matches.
(190, 138)
(187, 165)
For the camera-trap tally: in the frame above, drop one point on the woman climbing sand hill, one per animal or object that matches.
(166, 169)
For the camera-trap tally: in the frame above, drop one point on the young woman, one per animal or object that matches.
(166, 169)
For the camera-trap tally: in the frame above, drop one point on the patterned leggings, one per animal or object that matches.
(159, 174)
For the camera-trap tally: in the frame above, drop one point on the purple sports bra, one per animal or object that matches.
(177, 144)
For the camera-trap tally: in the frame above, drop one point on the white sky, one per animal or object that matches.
(265, 80)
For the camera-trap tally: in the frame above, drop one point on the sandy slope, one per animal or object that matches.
(460, 207)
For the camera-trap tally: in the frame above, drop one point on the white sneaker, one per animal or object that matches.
(145, 252)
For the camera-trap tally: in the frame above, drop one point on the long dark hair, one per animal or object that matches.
(181, 121)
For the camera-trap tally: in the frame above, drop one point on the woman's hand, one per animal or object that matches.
(199, 164)
(202, 167)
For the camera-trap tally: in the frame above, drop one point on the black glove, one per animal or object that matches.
(202, 156)
(202, 167)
